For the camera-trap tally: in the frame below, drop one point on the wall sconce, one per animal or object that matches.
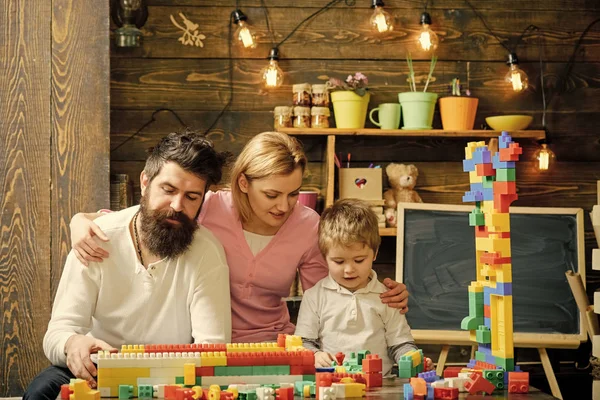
(129, 16)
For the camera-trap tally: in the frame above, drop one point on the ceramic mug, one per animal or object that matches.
(389, 115)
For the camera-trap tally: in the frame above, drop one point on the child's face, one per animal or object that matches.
(351, 266)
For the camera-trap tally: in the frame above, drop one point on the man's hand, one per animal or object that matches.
(323, 359)
(83, 234)
(78, 349)
(396, 296)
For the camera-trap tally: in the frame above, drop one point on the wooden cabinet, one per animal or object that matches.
(332, 133)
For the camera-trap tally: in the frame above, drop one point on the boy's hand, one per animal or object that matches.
(323, 359)
(428, 364)
(396, 297)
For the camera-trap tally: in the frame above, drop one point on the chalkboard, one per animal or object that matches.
(436, 261)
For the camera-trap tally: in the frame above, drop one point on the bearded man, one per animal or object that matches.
(166, 281)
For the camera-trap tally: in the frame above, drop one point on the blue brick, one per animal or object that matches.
(503, 289)
(408, 392)
(468, 165)
(487, 322)
(429, 376)
(481, 155)
(472, 196)
(488, 194)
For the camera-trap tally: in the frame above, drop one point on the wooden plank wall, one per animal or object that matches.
(193, 81)
(54, 156)
(24, 192)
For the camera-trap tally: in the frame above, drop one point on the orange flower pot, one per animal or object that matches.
(458, 113)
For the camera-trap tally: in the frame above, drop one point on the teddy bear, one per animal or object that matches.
(402, 179)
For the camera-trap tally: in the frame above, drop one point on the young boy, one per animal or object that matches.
(343, 312)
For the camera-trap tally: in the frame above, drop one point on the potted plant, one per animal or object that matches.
(457, 111)
(350, 100)
(418, 107)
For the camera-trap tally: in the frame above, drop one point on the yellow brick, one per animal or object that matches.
(355, 389)
(498, 222)
(189, 374)
(501, 308)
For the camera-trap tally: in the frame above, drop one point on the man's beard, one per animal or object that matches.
(161, 237)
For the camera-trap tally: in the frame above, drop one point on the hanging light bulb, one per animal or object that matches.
(516, 76)
(244, 35)
(544, 157)
(272, 75)
(381, 20)
(428, 40)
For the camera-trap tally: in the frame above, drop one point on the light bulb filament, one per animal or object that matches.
(425, 40)
(544, 160)
(517, 84)
(271, 77)
(381, 23)
(246, 37)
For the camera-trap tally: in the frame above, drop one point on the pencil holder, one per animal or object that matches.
(361, 183)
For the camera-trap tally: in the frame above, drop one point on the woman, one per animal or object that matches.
(266, 234)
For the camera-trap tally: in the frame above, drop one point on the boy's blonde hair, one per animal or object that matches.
(265, 155)
(346, 222)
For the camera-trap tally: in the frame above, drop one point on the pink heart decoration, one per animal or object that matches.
(360, 182)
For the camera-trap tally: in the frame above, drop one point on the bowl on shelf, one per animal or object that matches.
(509, 122)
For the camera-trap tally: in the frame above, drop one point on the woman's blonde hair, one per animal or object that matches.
(347, 222)
(265, 155)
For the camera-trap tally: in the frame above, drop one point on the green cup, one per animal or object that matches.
(389, 115)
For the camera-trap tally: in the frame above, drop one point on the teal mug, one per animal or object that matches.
(389, 115)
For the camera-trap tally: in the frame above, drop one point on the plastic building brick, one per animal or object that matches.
(477, 384)
(125, 391)
(428, 376)
(285, 393)
(65, 391)
(445, 393)
(145, 391)
(450, 372)
(518, 382)
(339, 357)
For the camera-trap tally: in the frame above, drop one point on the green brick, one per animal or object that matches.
(496, 377)
(198, 381)
(179, 380)
(508, 364)
(476, 218)
(361, 356)
(259, 370)
(247, 395)
(125, 391)
(404, 373)
(479, 356)
(487, 181)
(506, 175)
(311, 378)
(281, 370)
(483, 335)
(145, 391)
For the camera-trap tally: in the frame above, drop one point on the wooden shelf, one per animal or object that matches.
(387, 231)
(526, 134)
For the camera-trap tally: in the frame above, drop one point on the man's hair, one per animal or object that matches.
(347, 222)
(192, 151)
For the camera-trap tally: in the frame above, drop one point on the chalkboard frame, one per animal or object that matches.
(459, 337)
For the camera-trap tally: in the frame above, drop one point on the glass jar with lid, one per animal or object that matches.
(302, 94)
(302, 117)
(320, 95)
(283, 117)
(320, 117)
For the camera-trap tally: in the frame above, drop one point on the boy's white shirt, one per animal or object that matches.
(349, 322)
